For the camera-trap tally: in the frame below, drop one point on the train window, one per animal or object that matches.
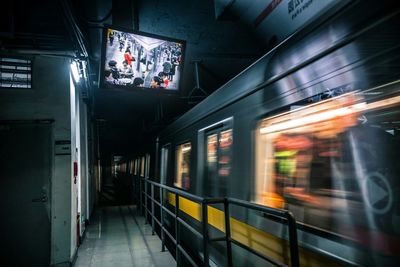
(135, 167)
(182, 177)
(147, 170)
(218, 161)
(139, 165)
(132, 166)
(336, 154)
(142, 164)
(164, 163)
(123, 167)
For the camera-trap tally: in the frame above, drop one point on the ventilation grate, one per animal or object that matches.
(15, 73)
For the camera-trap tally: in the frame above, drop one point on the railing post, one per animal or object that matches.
(152, 208)
(204, 213)
(145, 201)
(141, 195)
(140, 192)
(228, 232)
(177, 236)
(294, 251)
(136, 191)
(162, 219)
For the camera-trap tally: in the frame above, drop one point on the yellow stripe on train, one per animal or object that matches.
(263, 242)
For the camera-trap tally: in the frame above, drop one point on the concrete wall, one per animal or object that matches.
(87, 173)
(49, 99)
(80, 155)
(75, 156)
(84, 170)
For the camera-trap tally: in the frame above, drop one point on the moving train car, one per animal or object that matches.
(312, 127)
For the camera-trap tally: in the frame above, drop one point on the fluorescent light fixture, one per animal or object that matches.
(75, 71)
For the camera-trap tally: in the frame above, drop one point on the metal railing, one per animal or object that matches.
(285, 216)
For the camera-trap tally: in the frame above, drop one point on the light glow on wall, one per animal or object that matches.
(75, 71)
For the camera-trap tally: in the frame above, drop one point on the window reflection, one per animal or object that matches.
(225, 143)
(219, 146)
(182, 178)
(142, 163)
(332, 163)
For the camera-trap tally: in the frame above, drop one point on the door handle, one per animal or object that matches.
(42, 199)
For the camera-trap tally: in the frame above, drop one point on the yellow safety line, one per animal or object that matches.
(263, 242)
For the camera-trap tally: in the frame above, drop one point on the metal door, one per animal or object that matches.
(25, 170)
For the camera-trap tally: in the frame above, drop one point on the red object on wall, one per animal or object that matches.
(75, 171)
(75, 168)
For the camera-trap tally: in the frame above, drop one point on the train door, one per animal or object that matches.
(142, 167)
(339, 154)
(164, 164)
(218, 158)
(183, 165)
(137, 181)
(26, 163)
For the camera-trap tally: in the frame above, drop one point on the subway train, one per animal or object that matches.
(312, 127)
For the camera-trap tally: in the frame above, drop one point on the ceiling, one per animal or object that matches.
(29, 26)
(215, 37)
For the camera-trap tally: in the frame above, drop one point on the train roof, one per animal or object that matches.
(246, 82)
(306, 45)
(251, 79)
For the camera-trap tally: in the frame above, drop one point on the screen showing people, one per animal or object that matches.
(134, 60)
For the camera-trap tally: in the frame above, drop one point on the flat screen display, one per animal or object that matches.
(141, 60)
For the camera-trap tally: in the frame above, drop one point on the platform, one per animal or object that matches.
(117, 237)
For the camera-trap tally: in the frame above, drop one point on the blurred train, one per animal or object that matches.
(312, 127)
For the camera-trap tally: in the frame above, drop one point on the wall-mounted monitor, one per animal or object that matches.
(137, 60)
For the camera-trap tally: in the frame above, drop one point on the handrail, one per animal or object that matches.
(144, 197)
(174, 190)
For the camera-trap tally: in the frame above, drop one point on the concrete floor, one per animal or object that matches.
(116, 237)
